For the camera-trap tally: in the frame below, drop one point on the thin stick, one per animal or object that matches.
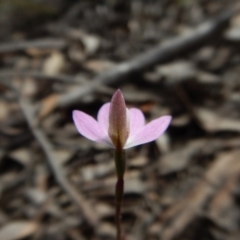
(47, 43)
(9, 73)
(56, 168)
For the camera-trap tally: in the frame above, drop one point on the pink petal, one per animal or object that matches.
(149, 132)
(103, 117)
(137, 121)
(89, 128)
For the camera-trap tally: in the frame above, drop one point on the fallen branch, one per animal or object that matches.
(165, 52)
(56, 168)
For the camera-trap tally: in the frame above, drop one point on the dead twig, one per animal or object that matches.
(50, 43)
(163, 53)
(56, 168)
(6, 74)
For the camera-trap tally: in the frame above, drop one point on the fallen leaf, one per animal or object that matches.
(54, 64)
(48, 105)
(18, 229)
(98, 66)
(213, 122)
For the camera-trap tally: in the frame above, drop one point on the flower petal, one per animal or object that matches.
(103, 117)
(89, 128)
(137, 121)
(149, 132)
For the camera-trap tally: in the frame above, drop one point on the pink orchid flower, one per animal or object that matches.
(119, 127)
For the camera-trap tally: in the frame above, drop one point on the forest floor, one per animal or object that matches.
(169, 57)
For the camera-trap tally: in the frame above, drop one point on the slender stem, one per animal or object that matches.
(120, 160)
(119, 196)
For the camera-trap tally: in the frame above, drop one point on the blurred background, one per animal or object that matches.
(169, 57)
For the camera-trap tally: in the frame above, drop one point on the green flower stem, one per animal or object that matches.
(120, 159)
